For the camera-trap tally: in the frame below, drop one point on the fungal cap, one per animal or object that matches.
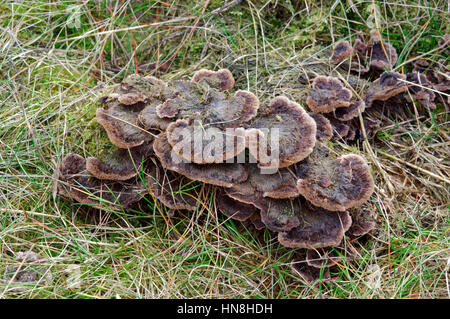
(341, 51)
(222, 80)
(327, 94)
(344, 183)
(296, 134)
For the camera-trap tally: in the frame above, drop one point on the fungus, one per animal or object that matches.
(355, 56)
(120, 165)
(341, 51)
(256, 221)
(149, 120)
(362, 220)
(280, 215)
(327, 94)
(122, 126)
(347, 113)
(216, 174)
(335, 184)
(281, 184)
(317, 228)
(77, 183)
(282, 135)
(308, 274)
(390, 84)
(234, 209)
(340, 129)
(197, 144)
(418, 88)
(324, 130)
(383, 55)
(222, 80)
(208, 121)
(175, 191)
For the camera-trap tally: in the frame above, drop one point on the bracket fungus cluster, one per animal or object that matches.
(351, 79)
(269, 163)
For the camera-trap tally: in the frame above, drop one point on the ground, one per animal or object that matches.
(57, 55)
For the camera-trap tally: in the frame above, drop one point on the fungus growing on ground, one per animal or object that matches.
(121, 125)
(324, 130)
(208, 120)
(222, 80)
(292, 128)
(335, 184)
(172, 190)
(341, 51)
(350, 112)
(307, 273)
(382, 54)
(351, 58)
(234, 209)
(280, 215)
(144, 116)
(390, 84)
(281, 184)
(215, 174)
(120, 165)
(327, 94)
(75, 182)
(419, 89)
(317, 228)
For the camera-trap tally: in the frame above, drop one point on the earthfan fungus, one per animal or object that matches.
(335, 184)
(174, 136)
(294, 128)
(327, 94)
(382, 54)
(216, 174)
(77, 183)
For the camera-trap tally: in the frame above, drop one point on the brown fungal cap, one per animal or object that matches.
(292, 129)
(149, 120)
(363, 220)
(347, 113)
(121, 125)
(317, 228)
(120, 165)
(217, 116)
(281, 184)
(256, 221)
(341, 51)
(340, 129)
(222, 80)
(188, 100)
(216, 174)
(383, 55)
(174, 191)
(202, 145)
(419, 89)
(390, 84)
(77, 183)
(234, 209)
(324, 129)
(280, 215)
(335, 184)
(309, 274)
(327, 94)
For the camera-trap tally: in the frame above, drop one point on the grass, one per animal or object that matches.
(54, 57)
